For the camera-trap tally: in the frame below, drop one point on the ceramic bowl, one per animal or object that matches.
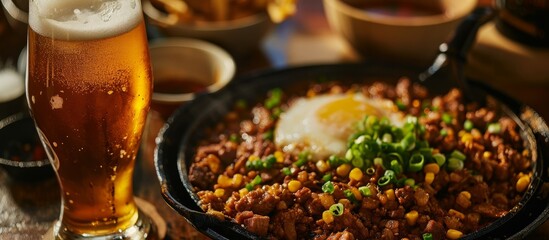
(394, 30)
(239, 37)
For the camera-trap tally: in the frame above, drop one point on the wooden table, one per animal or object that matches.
(27, 210)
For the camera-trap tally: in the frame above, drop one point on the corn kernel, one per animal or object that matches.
(466, 138)
(411, 217)
(224, 181)
(390, 194)
(486, 155)
(243, 192)
(461, 133)
(322, 166)
(453, 234)
(343, 170)
(294, 185)
(456, 213)
(431, 167)
(356, 174)
(237, 180)
(279, 156)
(466, 194)
(429, 178)
(328, 217)
(253, 157)
(219, 192)
(523, 183)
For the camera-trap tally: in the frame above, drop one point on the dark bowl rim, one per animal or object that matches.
(499, 224)
(5, 123)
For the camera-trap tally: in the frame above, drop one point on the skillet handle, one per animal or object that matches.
(466, 33)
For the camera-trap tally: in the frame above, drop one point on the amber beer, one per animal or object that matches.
(89, 87)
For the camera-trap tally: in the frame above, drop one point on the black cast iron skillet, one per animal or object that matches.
(179, 136)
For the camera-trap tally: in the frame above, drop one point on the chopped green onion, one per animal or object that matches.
(455, 164)
(387, 147)
(383, 180)
(365, 191)
(327, 177)
(349, 154)
(268, 135)
(408, 142)
(367, 163)
(269, 161)
(302, 159)
(459, 155)
(328, 187)
(411, 119)
(388, 177)
(337, 209)
(387, 138)
(357, 162)
(276, 112)
(395, 166)
(416, 163)
(400, 105)
(443, 132)
(439, 158)
(494, 128)
(468, 125)
(360, 139)
(410, 182)
(256, 181)
(371, 121)
(378, 161)
(447, 118)
(274, 99)
(349, 195)
(286, 171)
(427, 236)
(427, 152)
(335, 161)
(234, 138)
(249, 164)
(389, 173)
(370, 171)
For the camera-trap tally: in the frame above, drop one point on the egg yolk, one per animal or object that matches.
(345, 111)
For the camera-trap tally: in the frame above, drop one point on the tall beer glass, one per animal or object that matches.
(88, 87)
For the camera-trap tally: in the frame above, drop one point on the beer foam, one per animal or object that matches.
(83, 19)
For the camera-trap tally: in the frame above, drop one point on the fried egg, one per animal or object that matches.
(322, 124)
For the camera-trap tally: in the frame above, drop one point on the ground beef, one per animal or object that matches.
(290, 200)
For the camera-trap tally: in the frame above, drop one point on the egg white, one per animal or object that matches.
(313, 125)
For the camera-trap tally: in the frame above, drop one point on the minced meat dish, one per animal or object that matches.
(361, 162)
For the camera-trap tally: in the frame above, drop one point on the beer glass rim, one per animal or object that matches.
(220, 58)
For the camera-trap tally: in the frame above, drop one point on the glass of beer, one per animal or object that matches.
(89, 88)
